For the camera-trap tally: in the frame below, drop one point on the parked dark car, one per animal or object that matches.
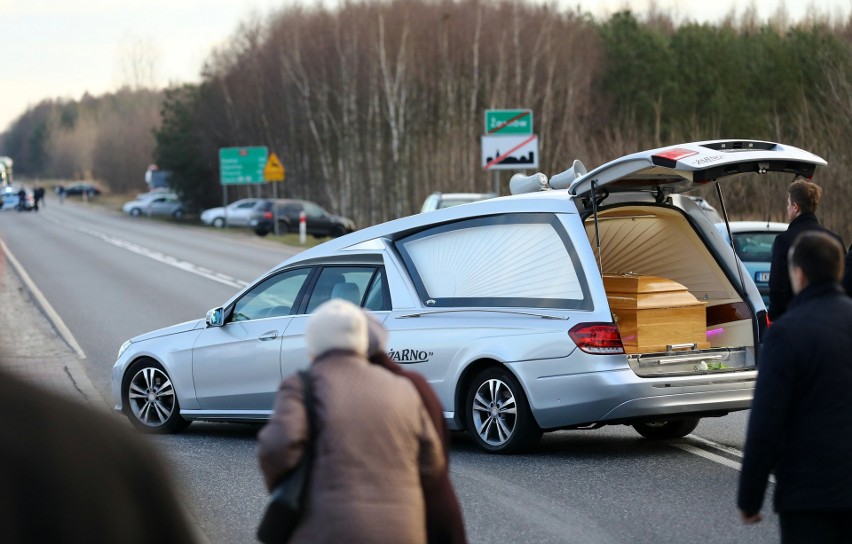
(79, 189)
(318, 222)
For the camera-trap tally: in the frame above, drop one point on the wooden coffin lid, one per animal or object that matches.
(635, 292)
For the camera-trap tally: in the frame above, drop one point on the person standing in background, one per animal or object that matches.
(802, 201)
(800, 425)
(38, 197)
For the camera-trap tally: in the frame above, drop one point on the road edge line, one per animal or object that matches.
(50, 313)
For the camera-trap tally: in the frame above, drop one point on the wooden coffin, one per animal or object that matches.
(653, 313)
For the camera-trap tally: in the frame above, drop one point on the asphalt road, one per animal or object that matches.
(110, 277)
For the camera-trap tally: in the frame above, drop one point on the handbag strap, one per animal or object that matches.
(310, 409)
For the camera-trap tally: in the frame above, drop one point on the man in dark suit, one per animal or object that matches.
(802, 201)
(801, 418)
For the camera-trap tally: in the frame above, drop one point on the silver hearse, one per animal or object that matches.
(501, 305)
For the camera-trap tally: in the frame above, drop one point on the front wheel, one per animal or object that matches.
(498, 415)
(666, 429)
(219, 222)
(135, 212)
(149, 398)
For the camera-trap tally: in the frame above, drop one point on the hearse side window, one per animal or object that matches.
(274, 297)
(346, 282)
(510, 260)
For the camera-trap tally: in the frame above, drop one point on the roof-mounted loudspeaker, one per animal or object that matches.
(564, 179)
(520, 183)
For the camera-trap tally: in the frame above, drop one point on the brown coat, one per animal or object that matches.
(444, 520)
(375, 446)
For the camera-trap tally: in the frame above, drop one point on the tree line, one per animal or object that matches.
(372, 105)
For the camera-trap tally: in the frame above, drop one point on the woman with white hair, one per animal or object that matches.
(375, 443)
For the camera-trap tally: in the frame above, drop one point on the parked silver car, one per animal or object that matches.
(501, 305)
(237, 214)
(156, 204)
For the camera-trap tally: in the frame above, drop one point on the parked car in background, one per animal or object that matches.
(238, 214)
(79, 189)
(156, 204)
(508, 307)
(753, 243)
(438, 201)
(318, 222)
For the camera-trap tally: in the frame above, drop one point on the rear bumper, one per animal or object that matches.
(618, 395)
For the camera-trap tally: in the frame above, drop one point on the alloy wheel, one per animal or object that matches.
(151, 396)
(494, 412)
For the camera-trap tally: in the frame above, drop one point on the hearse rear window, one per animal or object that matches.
(520, 260)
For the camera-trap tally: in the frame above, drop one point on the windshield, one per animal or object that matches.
(754, 247)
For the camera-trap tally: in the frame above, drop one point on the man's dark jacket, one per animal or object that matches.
(847, 276)
(801, 418)
(780, 291)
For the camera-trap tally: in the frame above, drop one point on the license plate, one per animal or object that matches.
(762, 277)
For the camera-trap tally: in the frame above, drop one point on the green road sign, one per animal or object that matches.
(508, 122)
(242, 165)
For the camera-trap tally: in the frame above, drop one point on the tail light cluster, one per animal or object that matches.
(267, 215)
(597, 338)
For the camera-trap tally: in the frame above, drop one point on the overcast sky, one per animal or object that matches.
(64, 48)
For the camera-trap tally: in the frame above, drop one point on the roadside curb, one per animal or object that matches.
(44, 351)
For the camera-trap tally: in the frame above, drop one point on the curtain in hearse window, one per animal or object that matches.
(517, 260)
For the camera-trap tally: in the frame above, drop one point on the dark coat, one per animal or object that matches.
(780, 291)
(847, 276)
(444, 521)
(74, 474)
(801, 417)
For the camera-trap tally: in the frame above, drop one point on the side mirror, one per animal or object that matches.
(216, 317)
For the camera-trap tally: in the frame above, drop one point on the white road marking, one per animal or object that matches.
(695, 450)
(61, 328)
(160, 257)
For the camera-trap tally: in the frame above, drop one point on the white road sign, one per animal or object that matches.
(509, 152)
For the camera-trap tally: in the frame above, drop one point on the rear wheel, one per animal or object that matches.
(261, 232)
(498, 415)
(178, 215)
(149, 398)
(660, 430)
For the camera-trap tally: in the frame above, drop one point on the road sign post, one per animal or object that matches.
(242, 165)
(508, 122)
(509, 142)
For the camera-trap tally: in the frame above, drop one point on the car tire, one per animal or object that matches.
(667, 429)
(178, 215)
(261, 232)
(135, 212)
(149, 399)
(498, 415)
(337, 232)
(219, 222)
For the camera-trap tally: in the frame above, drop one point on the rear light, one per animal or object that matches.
(597, 338)
(267, 215)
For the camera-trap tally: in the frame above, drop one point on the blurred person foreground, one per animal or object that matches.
(72, 472)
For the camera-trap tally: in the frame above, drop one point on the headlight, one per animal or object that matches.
(123, 348)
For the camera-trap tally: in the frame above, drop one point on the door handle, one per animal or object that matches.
(271, 335)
